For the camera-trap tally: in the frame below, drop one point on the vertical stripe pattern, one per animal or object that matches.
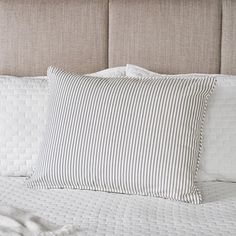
(126, 135)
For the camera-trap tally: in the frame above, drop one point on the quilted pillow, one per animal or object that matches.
(218, 159)
(125, 135)
(23, 105)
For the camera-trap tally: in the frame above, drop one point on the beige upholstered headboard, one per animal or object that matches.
(167, 36)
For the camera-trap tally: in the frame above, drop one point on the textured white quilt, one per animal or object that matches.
(109, 214)
(17, 222)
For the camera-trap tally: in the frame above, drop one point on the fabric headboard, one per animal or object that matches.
(71, 34)
(83, 36)
(168, 36)
(228, 53)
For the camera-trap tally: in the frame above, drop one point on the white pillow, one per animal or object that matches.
(23, 105)
(111, 72)
(218, 161)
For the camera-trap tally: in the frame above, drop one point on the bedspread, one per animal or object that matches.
(100, 213)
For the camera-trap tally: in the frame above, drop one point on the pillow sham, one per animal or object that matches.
(22, 122)
(117, 135)
(218, 160)
(23, 105)
(119, 71)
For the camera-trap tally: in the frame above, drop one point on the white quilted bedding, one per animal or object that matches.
(99, 213)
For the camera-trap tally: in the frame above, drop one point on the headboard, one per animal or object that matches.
(83, 36)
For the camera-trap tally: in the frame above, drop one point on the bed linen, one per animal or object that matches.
(101, 213)
(17, 222)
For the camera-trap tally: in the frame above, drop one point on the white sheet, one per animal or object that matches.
(99, 213)
(17, 222)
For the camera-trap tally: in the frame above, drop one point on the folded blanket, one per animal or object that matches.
(17, 222)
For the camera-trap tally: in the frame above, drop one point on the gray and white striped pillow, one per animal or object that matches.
(126, 135)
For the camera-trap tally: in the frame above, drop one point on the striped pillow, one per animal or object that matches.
(125, 135)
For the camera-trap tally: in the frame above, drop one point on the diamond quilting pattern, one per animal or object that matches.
(101, 213)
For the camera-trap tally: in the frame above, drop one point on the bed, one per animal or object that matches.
(100, 213)
(171, 37)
